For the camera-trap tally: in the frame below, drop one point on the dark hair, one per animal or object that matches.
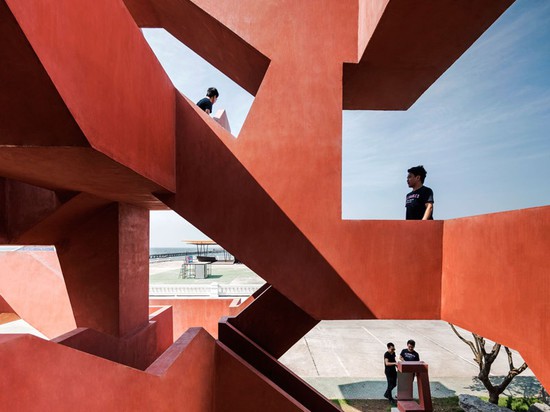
(389, 345)
(410, 341)
(418, 171)
(212, 92)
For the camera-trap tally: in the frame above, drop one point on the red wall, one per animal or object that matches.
(33, 285)
(66, 379)
(190, 313)
(5, 307)
(496, 281)
(138, 350)
(241, 388)
(195, 375)
(126, 114)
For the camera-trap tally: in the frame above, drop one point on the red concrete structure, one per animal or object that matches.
(93, 135)
(32, 283)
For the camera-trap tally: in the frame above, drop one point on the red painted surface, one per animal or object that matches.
(134, 107)
(93, 81)
(138, 350)
(103, 251)
(222, 119)
(496, 281)
(33, 112)
(164, 335)
(194, 372)
(74, 380)
(315, 238)
(268, 366)
(204, 34)
(403, 58)
(5, 306)
(243, 206)
(32, 285)
(45, 122)
(287, 322)
(25, 206)
(81, 170)
(188, 313)
(104, 259)
(420, 369)
(233, 374)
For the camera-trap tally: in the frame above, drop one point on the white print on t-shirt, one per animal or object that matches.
(411, 198)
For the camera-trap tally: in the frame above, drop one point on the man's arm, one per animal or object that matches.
(207, 111)
(428, 212)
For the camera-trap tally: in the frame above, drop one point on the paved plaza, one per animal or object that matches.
(344, 359)
(168, 272)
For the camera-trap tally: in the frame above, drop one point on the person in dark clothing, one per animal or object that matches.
(419, 203)
(409, 354)
(207, 102)
(390, 371)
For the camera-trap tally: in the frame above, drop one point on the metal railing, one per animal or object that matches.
(213, 290)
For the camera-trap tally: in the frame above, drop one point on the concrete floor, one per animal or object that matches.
(356, 348)
(344, 359)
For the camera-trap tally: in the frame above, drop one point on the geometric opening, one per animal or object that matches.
(481, 131)
(192, 75)
(173, 264)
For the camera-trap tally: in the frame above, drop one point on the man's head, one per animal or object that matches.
(410, 345)
(391, 347)
(416, 176)
(212, 94)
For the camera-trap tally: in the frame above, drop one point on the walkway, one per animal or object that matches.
(343, 359)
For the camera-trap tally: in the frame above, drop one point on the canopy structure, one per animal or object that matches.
(203, 251)
(202, 245)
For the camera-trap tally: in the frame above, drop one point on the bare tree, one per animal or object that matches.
(485, 360)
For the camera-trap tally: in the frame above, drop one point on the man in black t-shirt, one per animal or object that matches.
(207, 102)
(390, 371)
(419, 203)
(409, 354)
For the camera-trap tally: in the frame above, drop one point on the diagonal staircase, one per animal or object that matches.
(260, 343)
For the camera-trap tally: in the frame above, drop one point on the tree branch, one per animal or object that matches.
(515, 371)
(494, 352)
(480, 340)
(485, 360)
(467, 342)
(510, 360)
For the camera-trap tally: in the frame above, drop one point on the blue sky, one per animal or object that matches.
(482, 130)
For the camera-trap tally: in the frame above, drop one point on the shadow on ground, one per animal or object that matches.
(375, 390)
(526, 386)
(377, 405)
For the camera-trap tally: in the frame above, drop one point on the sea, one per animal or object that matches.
(164, 250)
(215, 251)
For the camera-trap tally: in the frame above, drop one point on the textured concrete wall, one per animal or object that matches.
(188, 313)
(32, 285)
(496, 280)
